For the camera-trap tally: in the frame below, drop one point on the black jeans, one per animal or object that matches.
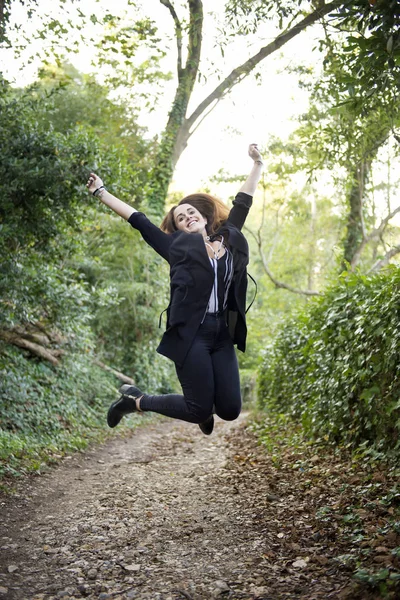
(209, 377)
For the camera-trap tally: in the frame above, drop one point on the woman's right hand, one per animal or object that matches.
(94, 182)
(254, 152)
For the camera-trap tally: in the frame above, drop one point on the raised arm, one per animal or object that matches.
(96, 187)
(244, 197)
(151, 234)
(250, 185)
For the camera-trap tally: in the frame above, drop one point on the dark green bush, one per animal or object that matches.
(46, 411)
(47, 220)
(336, 365)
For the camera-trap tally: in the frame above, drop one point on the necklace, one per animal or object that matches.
(220, 247)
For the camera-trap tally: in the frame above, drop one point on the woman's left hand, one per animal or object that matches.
(254, 152)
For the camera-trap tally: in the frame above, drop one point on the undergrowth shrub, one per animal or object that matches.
(248, 379)
(47, 411)
(336, 365)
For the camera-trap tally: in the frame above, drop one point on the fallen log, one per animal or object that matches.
(16, 340)
(28, 340)
(117, 374)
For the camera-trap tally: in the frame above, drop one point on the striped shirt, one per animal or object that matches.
(223, 275)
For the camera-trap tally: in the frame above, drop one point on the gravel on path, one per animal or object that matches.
(168, 514)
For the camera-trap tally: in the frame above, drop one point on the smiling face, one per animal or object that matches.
(187, 218)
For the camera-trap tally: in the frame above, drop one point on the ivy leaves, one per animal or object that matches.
(335, 366)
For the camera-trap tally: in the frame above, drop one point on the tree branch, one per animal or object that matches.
(33, 336)
(244, 69)
(195, 40)
(204, 116)
(280, 284)
(276, 282)
(23, 339)
(2, 11)
(36, 349)
(361, 185)
(374, 234)
(178, 32)
(117, 374)
(385, 260)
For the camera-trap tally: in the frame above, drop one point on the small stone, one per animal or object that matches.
(132, 568)
(3, 591)
(84, 589)
(12, 568)
(104, 596)
(382, 558)
(92, 574)
(260, 591)
(198, 529)
(221, 587)
(299, 564)
(272, 497)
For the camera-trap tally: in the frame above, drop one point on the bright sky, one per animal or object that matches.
(251, 113)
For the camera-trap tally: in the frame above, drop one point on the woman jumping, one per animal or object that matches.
(208, 255)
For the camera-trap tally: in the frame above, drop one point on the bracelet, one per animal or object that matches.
(259, 162)
(95, 193)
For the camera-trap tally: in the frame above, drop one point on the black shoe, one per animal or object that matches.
(208, 426)
(124, 406)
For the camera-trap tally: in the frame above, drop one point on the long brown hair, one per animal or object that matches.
(215, 211)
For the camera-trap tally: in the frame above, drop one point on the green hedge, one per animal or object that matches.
(336, 365)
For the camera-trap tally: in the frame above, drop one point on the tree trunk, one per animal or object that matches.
(3, 19)
(166, 157)
(356, 237)
(312, 247)
(179, 127)
(354, 229)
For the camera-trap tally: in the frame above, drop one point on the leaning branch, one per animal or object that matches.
(280, 284)
(375, 233)
(34, 348)
(35, 344)
(117, 374)
(276, 282)
(385, 260)
(244, 69)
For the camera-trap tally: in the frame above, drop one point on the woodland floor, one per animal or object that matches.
(170, 514)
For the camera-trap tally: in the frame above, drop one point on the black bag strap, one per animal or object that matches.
(255, 293)
(160, 318)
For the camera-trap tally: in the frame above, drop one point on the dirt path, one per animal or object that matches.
(168, 514)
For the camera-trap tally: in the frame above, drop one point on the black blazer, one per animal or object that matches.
(192, 278)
